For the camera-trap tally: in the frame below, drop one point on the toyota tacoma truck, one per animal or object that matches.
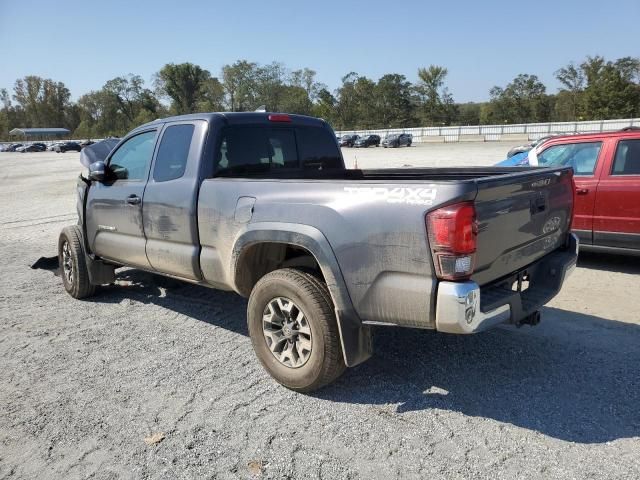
(261, 204)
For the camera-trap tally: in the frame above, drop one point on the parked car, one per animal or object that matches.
(34, 147)
(12, 147)
(86, 143)
(67, 147)
(607, 177)
(348, 140)
(396, 141)
(527, 146)
(367, 141)
(321, 254)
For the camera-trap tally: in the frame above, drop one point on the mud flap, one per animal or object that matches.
(99, 272)
(357, 344)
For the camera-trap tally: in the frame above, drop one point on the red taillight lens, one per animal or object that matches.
(452, 234)
(279, 117)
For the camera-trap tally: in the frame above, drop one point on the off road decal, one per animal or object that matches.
(407, 195)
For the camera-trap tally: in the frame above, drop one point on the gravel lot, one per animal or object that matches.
(83, 383)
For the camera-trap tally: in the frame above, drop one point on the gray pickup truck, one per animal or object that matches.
(261, 204)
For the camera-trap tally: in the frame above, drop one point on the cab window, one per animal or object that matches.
(627, 159)
(581, 156)
(246, 150)
(173, 152)
(131, 161)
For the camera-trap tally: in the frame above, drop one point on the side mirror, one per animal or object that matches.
(97, 171)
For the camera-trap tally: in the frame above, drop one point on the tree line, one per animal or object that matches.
(591, 90)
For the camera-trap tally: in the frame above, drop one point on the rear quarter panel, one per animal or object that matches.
(376, 230)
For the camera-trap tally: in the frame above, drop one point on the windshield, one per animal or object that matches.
(392, 137)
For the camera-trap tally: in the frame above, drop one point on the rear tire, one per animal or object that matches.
(73, 266)
(319, 361)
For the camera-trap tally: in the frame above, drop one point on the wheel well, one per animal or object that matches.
(256, 260)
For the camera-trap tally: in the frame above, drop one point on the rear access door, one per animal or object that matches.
(170, 200)
(521, 217)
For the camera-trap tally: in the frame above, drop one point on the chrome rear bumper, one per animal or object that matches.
(459, 306)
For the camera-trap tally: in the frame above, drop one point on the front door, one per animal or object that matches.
(617, 213)
(114, 208)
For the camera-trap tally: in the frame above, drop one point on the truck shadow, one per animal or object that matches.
(575, 377)
(609, 262)
(216, 307)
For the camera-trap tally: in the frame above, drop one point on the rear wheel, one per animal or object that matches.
(73, 266)
(293, 330)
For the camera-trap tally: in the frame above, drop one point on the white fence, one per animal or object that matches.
(493, 133)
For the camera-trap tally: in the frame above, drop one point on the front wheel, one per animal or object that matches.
(73, 266)
(294, 331)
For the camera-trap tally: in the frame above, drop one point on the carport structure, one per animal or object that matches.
(40, 133)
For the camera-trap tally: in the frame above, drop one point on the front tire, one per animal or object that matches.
(73, 266)
(294, 331)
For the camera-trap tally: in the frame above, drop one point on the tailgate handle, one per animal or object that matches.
(539, 205)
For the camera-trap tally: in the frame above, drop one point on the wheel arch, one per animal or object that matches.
(268, 246)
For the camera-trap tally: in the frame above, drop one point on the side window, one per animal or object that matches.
(317, 148)
(581, 156)
(131, 160)
(627, 159)
(173, 151)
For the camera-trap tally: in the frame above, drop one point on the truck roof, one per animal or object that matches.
(236, 118)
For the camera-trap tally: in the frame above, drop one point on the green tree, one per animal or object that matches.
(347, 107)
(524, 100)
(184, 84)
(611, 91)
(469, 113)
(43, 101)
(572, 78)
(436, 103)
(326, 107)
(239, 81)
(393, 95)
(212, 96)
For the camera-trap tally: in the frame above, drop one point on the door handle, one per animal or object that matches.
(133, 200)
(582, 191)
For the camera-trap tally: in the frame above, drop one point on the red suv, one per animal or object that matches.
(607, 176)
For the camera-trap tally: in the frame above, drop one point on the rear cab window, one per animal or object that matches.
(246, 150)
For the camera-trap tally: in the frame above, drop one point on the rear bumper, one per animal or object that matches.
(465, 307)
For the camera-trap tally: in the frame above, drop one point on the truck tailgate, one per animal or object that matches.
(521, 217)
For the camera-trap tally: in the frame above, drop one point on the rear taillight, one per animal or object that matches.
(453, 231)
